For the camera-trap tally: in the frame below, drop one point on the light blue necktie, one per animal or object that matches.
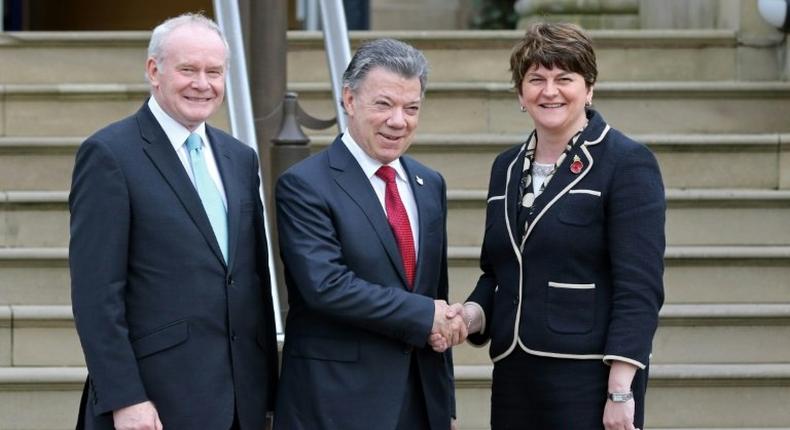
(209, 194)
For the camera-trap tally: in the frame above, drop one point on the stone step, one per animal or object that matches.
(699, 333)
(694, 217)
(43, 336)
(40, 398)
(694, 274)
(680, 397)
(484, 55)
(72, 109)
(634, 107)
(687, 160)
(119, 57)
(37, 163)
(704, 333)
(34, 218)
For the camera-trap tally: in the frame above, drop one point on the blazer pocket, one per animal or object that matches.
(321, 348)
(570, 307)
(582, 191)
(580, 208)
(163, 338)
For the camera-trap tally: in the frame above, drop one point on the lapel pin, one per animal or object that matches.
(576, 165)
(419, 180)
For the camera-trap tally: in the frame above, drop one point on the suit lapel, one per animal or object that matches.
(350, 177)
(228, 167)
(421, 198)
(161, 153)
(512, 203)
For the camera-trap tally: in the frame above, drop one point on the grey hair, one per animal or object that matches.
(163, 30)
(390, 54)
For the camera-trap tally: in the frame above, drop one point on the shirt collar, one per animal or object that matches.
(369, 164)
(176, 132)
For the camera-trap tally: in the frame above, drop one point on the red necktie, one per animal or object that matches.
(399, 222)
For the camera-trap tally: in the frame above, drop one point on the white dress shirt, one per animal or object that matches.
(178, 134)
(370, 166)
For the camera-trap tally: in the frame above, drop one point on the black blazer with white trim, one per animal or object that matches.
(585, 281)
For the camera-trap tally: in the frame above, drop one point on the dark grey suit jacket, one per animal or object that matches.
(353, 326)
(160, 315)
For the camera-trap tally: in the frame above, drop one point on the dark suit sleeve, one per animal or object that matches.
(313, 256)
(483, 293)
(443, 294)
(100, 219)
(635, 225)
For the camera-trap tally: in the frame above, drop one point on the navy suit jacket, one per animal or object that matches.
(352, 324)
(586, 282)
(160, 315)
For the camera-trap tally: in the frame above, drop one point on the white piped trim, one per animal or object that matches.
(571, 286)
(600, 138)
(517, 252)
(491, 199)
(552, 354)
(607, 359)
(590, 192)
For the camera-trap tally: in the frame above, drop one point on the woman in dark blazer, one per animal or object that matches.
(572, 257)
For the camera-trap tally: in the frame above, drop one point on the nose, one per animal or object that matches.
(550, 89)
(397, 119)
(200, 81)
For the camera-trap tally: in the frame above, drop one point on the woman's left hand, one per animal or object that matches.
(453, 424)
(619, 416)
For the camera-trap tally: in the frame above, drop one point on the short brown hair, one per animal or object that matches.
(551, 45)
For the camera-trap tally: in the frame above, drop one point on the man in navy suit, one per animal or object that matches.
(363, 239)
(170, 282)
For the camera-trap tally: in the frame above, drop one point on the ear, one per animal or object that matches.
(520, 99)
(348, 100)
(590, 93)
(152, 72)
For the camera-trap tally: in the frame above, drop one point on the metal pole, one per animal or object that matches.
(338, 51)
(241, 119)
(268, 49)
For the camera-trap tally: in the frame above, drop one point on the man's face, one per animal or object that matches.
(189, 81)
(383, 113)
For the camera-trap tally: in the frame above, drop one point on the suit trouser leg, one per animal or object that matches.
(413, 414)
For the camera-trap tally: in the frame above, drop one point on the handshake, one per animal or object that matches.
(451, 324)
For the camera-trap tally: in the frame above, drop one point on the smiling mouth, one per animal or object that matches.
(552, 105)
(199, 99)
(388, 137)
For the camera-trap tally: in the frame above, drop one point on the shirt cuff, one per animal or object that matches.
(607, 359)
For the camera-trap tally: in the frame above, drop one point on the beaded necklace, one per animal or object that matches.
(526, 192)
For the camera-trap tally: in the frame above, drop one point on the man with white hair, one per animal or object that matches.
(168, 257)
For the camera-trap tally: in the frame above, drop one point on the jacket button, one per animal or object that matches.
(515, 301)
(231, 282)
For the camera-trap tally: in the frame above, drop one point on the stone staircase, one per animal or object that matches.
(719, 129)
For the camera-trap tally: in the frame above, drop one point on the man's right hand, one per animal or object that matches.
(142, 416)
(446, 332)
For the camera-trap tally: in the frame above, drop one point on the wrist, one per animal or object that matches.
(620, 396)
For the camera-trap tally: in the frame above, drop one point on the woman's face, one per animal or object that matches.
(554, 98)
